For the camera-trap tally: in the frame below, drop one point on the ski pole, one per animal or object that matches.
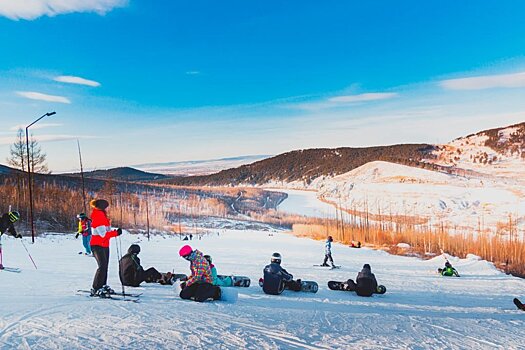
(30, 257)
(120, 258)
(1, 256)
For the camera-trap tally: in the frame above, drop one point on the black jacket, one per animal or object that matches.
(274, 278)
(366, 283)
(6, 225)
(130, 270)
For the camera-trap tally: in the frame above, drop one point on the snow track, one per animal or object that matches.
(39, 309)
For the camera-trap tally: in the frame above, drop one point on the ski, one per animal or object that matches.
(11, 269)
(111, 297)
(116, 293)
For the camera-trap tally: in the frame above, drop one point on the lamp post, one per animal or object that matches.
(29, 175)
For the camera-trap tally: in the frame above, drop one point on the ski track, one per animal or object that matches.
(420, 310)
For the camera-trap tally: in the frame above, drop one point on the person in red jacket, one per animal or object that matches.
(101, 232)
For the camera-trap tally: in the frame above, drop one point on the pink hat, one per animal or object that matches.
(186, 250)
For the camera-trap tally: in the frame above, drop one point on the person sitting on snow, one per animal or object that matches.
(132, 274)
(365, 284)
(276, 279)
(199, 285)
(227, 281)
(448, 270)
(7, 223)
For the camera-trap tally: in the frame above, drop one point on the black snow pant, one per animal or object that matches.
(150, 275)
(101, 254)
(200, 292)
(365, 287)
(328, 257)
(293, 285)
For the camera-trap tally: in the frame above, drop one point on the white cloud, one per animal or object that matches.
(8, 140)
(76, 80)
(32, 9)
(193, 72)
(514, 80)
(373, 96)
(43, 97)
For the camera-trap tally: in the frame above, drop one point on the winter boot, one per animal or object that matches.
(108, 290)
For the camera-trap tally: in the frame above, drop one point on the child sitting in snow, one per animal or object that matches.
(448, 270)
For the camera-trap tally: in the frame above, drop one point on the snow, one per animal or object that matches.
(39, 309)
(305, 203)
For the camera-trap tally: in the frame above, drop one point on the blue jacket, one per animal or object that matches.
(274, 278)
(328, 247)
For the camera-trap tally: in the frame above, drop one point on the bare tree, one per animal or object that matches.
(18, 154)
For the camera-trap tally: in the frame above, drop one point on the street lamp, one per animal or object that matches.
(29, 175)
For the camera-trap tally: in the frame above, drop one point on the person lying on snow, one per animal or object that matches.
(365, 284)
(132, 274)
(276, 279)
(199, 285)
(448, 270)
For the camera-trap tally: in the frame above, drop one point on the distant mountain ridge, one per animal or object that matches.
(122, 174)
(307, 165)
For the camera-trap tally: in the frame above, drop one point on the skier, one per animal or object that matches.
(223, 282)
(132, 274)
(276, 279)
(101, 234)
(366, 283)
(199, 285)
(448, 270)
(7, 222)
(84, 229)
(328, 252)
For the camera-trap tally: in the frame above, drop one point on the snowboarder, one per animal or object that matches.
(223, 282)
(199, 285)
(366, 283)
(101, 234)
(355, 244)
(276, 279)
(132, 274)
(448, 270)
(7, 224)
(328, 252)
(84, 229)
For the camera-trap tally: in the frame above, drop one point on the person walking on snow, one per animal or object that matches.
(328, 252)
(7, 224)
(84, 229)
(199, 285)
(101, 234)
(276, 279)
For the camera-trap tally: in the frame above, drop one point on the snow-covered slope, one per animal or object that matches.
(40, 310)
(389, 188)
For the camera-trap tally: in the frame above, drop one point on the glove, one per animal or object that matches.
(119, 231)
(76, 236)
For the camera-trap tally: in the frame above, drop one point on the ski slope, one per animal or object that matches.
(39, 309)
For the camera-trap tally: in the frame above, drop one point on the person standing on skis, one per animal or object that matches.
(101, 234)
(84, 229)
(328, 252)
(7, 224)
(199, 285)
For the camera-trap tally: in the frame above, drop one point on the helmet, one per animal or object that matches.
(447, 264)
(134, 249)
(14, 216)
(81, 216)
(330, 239)
(208, 258)
(185, 251)
(276, 258)
(366, 266)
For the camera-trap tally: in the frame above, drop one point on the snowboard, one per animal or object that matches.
(335, 285)
(519, 304)
(309, 286)
(238, 281)
(329, 267)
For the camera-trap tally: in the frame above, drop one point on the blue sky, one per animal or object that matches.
(143, 81)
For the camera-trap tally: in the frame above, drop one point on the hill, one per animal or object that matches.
(307, 165)
(123, 174)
